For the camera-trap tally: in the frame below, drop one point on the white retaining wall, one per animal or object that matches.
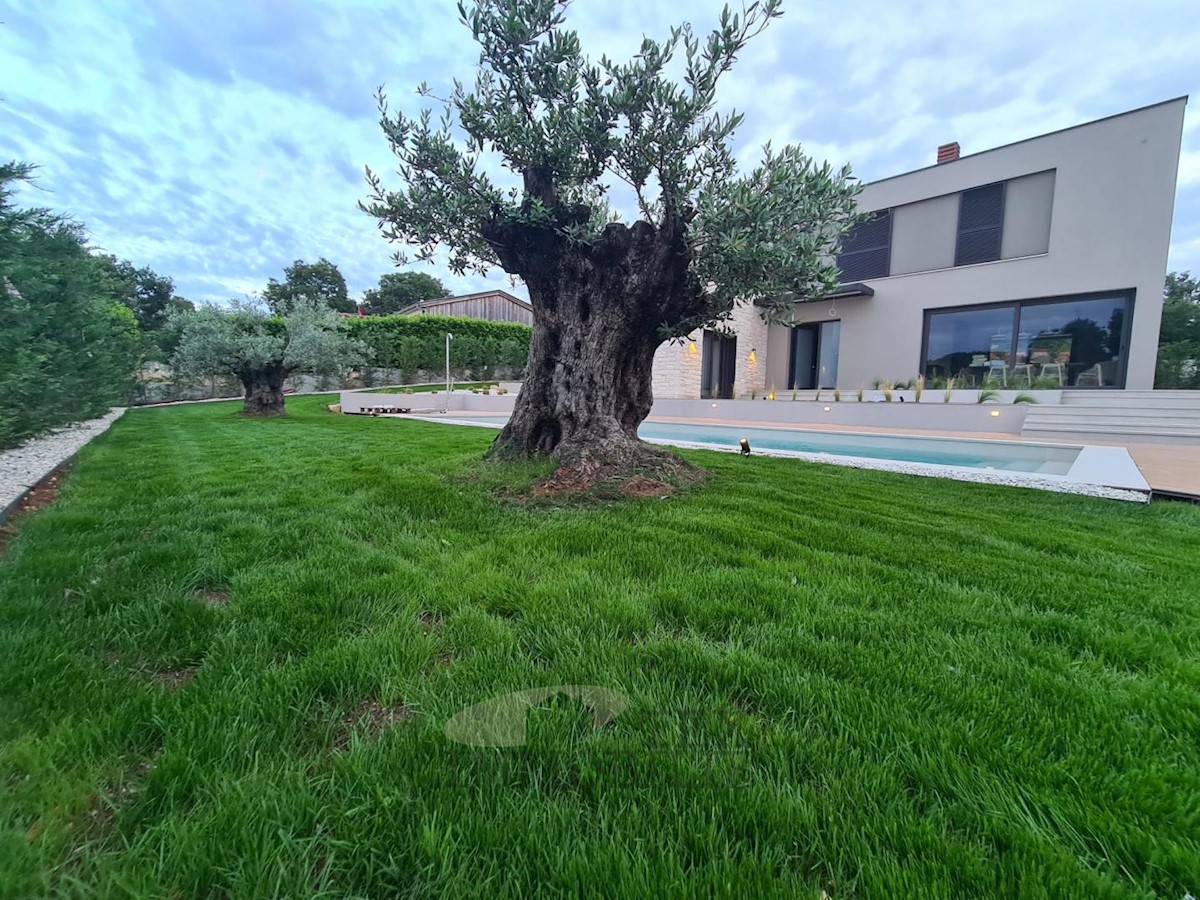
(964, 414)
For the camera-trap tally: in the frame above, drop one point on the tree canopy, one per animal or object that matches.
(400, 290)
(68, 347)
(150, 297)
(573, 129)
(628, 217)
(261, 350)
(147, 294)
(1181, 309)
(1179, 335)
(320, 280)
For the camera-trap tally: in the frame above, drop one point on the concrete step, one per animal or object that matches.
(1165, 405)
(1108, 428)
(1104, 430)
(1156, 399)
(1110, 392)
(1098, 415)
(1068, 436)
(1149, 416)
(1096, 409)
(1119, 412)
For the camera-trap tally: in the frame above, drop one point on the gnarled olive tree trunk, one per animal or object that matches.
(264, 391)
(597, 312)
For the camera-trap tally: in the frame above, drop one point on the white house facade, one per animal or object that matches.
(1037, 264)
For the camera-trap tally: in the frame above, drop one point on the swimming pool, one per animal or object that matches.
(1005, 456)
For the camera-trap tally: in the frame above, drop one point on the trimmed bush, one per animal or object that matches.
(412, 344)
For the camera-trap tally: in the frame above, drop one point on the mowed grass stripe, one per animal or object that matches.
(843, 681)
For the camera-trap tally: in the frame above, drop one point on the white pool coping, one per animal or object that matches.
(1107, 472)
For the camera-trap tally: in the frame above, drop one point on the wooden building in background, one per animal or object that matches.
(495, 306)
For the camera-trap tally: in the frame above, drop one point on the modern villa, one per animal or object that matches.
(1037, 264)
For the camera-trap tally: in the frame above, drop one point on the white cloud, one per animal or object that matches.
(218, 155)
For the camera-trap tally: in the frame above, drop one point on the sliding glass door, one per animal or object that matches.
(815, 355)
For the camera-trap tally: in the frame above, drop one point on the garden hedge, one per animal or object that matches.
(418, 344)
(68, 347)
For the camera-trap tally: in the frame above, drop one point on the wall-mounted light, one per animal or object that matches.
(714, 406)
(691, 348)
(995, 413)
(753, 357)
(745, 445)
(827, 409)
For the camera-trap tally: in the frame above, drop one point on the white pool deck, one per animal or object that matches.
(1097, 471)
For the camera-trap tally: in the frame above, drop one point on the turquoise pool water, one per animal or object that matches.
(972, 454)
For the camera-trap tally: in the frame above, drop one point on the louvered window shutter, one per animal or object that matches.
(980, 224)
(867, 249)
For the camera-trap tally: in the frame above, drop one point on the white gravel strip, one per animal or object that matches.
(24, 466)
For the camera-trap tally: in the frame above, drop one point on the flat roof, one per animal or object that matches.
(1128, 112)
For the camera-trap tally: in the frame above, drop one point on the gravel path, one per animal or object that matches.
(24, 466)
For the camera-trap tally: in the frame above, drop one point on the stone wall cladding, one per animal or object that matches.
(677, 372)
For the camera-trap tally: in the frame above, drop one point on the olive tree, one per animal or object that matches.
(606, 289)
(262, 350)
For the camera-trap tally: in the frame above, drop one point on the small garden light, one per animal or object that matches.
(745, 445)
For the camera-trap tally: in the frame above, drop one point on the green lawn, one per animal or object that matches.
(227, 655)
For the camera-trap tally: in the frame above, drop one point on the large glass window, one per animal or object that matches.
(1077, 342)
(1073, 342)
(971, 345)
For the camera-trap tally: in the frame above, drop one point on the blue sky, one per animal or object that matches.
(218, 140)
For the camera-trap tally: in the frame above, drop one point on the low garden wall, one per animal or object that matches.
(964, 414)
(995, 418)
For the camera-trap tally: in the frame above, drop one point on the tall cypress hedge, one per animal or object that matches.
(68, 347)
(418, 343)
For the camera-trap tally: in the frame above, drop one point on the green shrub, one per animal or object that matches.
(68, 348)
(418, 343)
(1177, 366)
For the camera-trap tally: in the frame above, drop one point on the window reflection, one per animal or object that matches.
(1073, 343)
(1078, 342)
(971, 346)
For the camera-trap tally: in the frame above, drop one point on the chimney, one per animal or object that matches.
(948, 152)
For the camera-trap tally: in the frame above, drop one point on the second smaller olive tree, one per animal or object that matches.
(262, 350)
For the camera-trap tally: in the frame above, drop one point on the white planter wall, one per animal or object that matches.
(996, 418)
